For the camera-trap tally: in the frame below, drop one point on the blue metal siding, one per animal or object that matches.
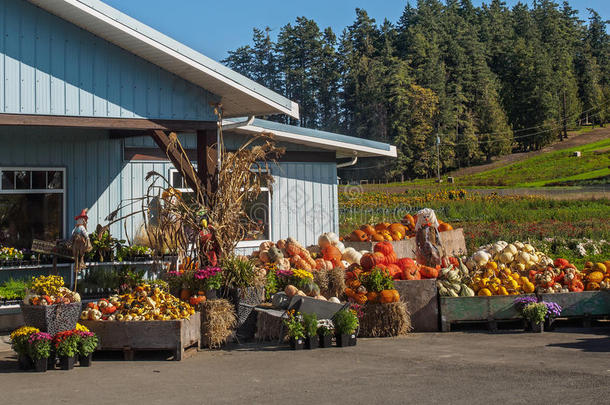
(51, 67)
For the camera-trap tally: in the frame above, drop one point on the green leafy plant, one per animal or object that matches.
(325, 327)
(310, 324)
(238, 272)
(294, 324)
(104, 245)
(271, 284)
(377, 280)
(127, 252)
(39, 346)
(66, 343)
(346, 322)
(535, 312)
(87, 343)
(13, 289)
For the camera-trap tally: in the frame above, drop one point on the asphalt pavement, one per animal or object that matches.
(567, 366)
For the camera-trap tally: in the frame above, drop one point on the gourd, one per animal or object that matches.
(384, 247)
(377, 237)
(596, 276)
(264, 256)
(428, 272)
(281, 244)
(506, 257)
(445, 227)
(339, 245)
(332, 254)
(395, 271)
(391, 258)
(368, 229)
(334, 299)
(322, 264)
(291, 290)
(398, 228)
(359, 236)
(368, 261)
(265, 246)
(512, 249)
(481, 258)
(327, 239)
(275, 254)
(292, 249)
(350, 255)
(406, 263)
(380, 257)
(372, 296)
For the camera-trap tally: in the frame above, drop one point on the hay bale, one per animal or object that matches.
(320, 277)
(336, 283)
(269, 327)
(218, 320)
(385, 320)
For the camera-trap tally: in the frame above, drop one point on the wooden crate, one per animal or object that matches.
(477, 309)
(581, 304)
(421, 297)
(175, 335)
(453, 241)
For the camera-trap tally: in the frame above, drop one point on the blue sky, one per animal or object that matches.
(214, 27)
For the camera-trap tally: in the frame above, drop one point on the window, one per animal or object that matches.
(31, 205)
(259, 210)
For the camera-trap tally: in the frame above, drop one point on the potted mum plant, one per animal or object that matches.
(39, 348)
(535, 313)
(346, 323)
(325, 332)
(209, 279)
(19, 343)
(310, 324)
(296, 330)
(87, 344)
(66, 346)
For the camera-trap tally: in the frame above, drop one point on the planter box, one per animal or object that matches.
(421, 297)
(52, 318)
(453, 242)
(581, 304)
(175, 336)
(473, 309)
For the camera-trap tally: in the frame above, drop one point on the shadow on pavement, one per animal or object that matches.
(593, 345)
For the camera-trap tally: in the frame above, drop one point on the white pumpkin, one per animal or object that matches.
(518, 245)
(506, 257)
(334, 299)
(523, 257)
(340, 246)
(528, 248)
(481, 258)
(350, 255)
(512, 249)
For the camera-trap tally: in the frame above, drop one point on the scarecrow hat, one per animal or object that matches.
(83, 214)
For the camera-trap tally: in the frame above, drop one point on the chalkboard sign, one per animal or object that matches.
(60, 249)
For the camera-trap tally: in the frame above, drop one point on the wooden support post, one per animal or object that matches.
(207, 160)
(180, 160)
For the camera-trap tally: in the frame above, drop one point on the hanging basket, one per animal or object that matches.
(52, 318)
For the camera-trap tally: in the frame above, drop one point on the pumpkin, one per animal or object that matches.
(411, 273)
(377, 237)
(360, 299)
(265, 246)
(263, 256)
(327, 239)
(281, 244)
(368, 261)
(350, 255)
(380, 257)
(395, 271)
(596, 276)
(386, 296)
(368, 229)
(332, 254)
(291, 290)
(561, 263)
(599, 267)
(391, 258)
(310, 288)
(382, 226)
(406, 263)
(275, 254)
(409, 222)
(592, 286)
(397, 235)
(322, 264)
(292, 249)
(444, 227)
(384, 247)
(428, 272)
(334, 299)
(359, 236)
(372, 296)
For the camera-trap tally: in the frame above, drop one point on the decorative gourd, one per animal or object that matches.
(592, 286)
(382, 226)
(411, 273)
(281, 244)
(368, 229)
(322, 264)
(372, 296)
(292, 249)
(397, 235)
(396, 227)
(409, 222)
(308, 287)
(350, 255)
(596, 276)
(284, 264)
(445, 227)
(386, 297)
(561, 263)
(359, 236)
(384, 247)
(428, 272)
(264, 256)
(377, 237)
(368, 261)
(334, 299)
(339, 245)
(275, 254)
(333, 254)
(265, 246)
(291, 290)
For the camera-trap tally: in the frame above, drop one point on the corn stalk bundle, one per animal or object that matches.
(218, 320)
(385, 320)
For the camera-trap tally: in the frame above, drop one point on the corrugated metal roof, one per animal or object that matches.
(345, 146)
(239, 95)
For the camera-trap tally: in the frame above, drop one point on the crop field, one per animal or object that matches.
(575, 229)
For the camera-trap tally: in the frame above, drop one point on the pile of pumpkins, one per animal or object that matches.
(386, 231)
(454, 280)
(144, 303)
(597, 276)
(384, 257)
(309, 289)
(360, 292)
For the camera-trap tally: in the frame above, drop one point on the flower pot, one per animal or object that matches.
(66, 362)
(342, 340)
(211, 294)
(25, 362)
(85, 361)
(549, 324)
(326, 340)
(52, 318)
(352, 339)
(536, 327)
(41, 365)
(297, 344)
(51, 362)
(311, 342)
(185, 294)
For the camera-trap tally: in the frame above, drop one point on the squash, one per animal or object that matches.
(263, 256)
(281, 244)
(428, 272)
(292, 249)
(384, 247)
(443, 227)
(600, 267)
(351, 255)
(411, 273)
(592, 286)
(396, 295)
(391, 258)
(291, 290)
(484, 292)
(377, 237)
(332, 254)
(334, 299)
(372, 296)
(382, 226)
(275, 254)
(405, 263)
(327, 239)
(265, 246)
(397, 228)
(387, 296)
(409, 222)
(596, 276)
(322, 264)
(368, 261)
(359, 236)
(397, 235)
(395, 271)
(368, 229)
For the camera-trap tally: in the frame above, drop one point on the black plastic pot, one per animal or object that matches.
(85, 361)
(297, 344)
(41, 365)
(352, 339)
(51, 362)
(311, 342)
(549, 324)
(66, 363)
(25, 362)
(536, 327)
(211, 294)
(326, 340)
(342, 340)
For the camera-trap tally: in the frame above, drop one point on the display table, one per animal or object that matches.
(421, 297)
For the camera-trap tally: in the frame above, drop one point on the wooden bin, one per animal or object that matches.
(581, 304)
(421, 297)
(453, 241)
(477, 309)
(175, 335)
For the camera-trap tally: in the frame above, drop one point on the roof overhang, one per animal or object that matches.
(239, 95)
(344, 146)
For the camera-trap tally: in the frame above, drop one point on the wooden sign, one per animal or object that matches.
(51, 248)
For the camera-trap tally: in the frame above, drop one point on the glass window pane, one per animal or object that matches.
(8, 180)
(56, 180)
(24, 217)
(258, 211)
(176, 180)
(22, 180)
(39, 180)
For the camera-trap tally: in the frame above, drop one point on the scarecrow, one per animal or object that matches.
(429, 250)
(80, 242)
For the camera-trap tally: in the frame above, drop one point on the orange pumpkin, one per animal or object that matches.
(397, 228)
(368, 261)
(360, 299)
(406, 263)
(322, 264)
(380, 257)
(382, 226)
(444, 227)
(377, 237)
(368, 229)
(428, 272)
(332, 254)
(411, 273)
(409, 222)
(391, 258)
(396, 295)
(386, 297)
(292, 249)
(384, 247)
(397, 235)
(359, 236)
(395, 271)
(372, 296)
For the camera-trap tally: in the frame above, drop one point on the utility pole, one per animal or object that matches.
(438, 158)
(565, 119)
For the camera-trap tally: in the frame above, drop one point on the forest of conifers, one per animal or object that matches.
(486, 80)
